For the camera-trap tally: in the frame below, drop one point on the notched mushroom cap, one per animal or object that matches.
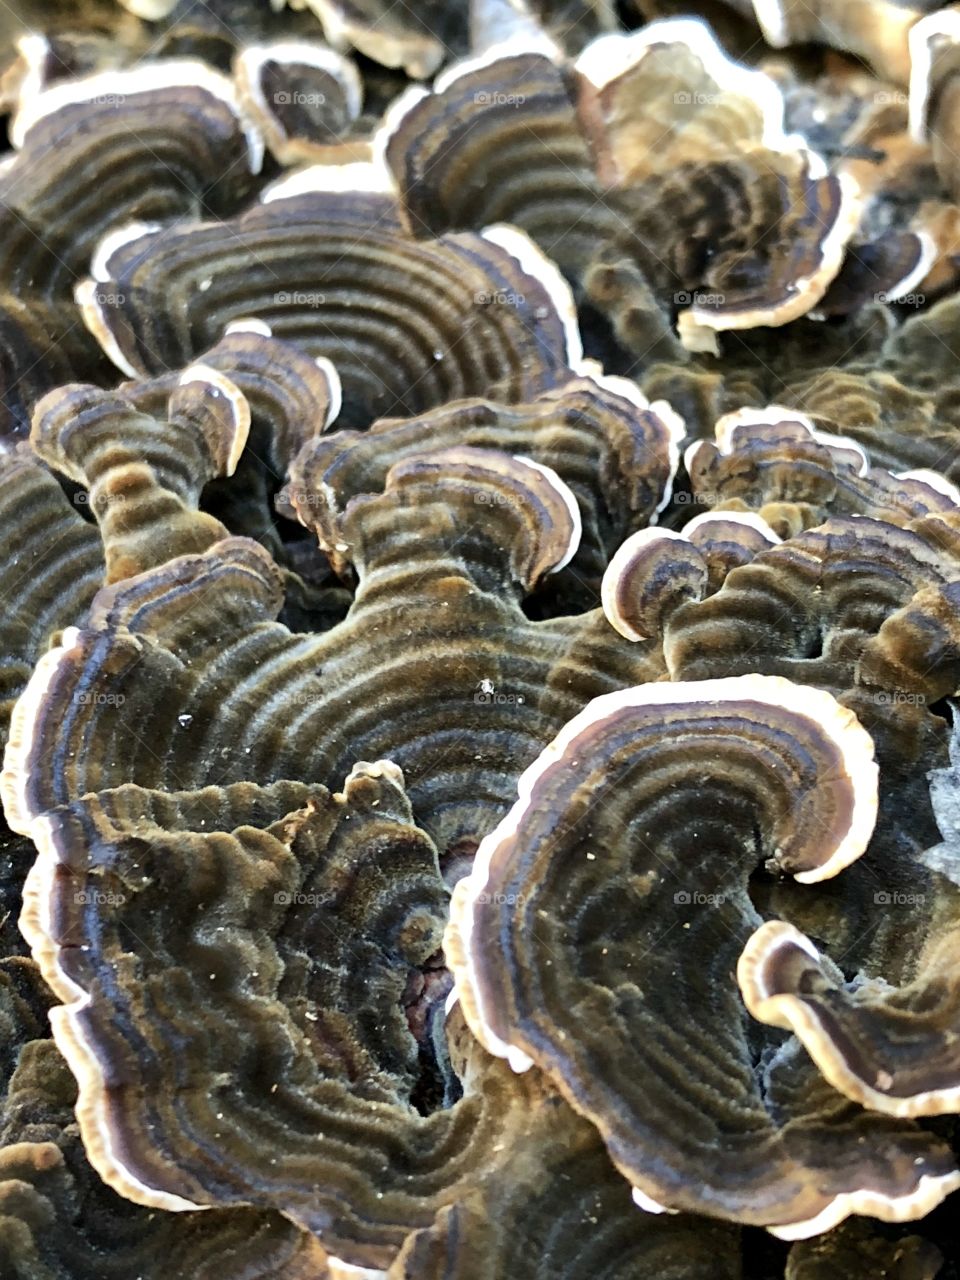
(144, 477)
(542, 507)
(303, 96)
(652, 806)
(51, 563)
(617, 453)
(728, 539)
(497, 141)
(892, 1050)
(405, 322)
(777, 462)
(652, 573)
(809, 608)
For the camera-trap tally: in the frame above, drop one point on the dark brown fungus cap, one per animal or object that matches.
(726, 540)
(558, 1210)
(706, 159)
(893, 1050)
(160, 141)
(807, 608)
(640, 823)
(51, 565)
(617, 453)
(58, 1221)
(917, 650)
(292, 397)
(436, 666)
(145, 142)
(777, 462)
(652, 574)
(497, 140)
(902, 427)
(408, 324)
(303, 96)
(278, 936)
(624, 167)
(887, 269)
(143, 477)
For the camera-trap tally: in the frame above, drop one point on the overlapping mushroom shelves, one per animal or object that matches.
(480, 633)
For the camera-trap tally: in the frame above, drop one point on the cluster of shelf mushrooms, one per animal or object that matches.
(480, 584)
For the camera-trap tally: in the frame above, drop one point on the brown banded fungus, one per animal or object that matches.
(614, 896)
(51, 565)
(324, 469)
(58, 1221)
(303, 96)
(143, 477)
(619, 169)
(776, 462)
(892, 1050)
(653, 573)
(438, 609)
(406, 323)
(617, 453)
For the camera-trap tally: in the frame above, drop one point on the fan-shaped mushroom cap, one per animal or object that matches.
(532, 1220)
(806, 608)
(892, 1050)
(902, 427)
(296, 1012)
(778, 463)
(654, 141)
(292, 398)
(498, 141)
(615, 834)
(303, 96)
(58, 1219)
(916, 650)
(728, 539)
(617, 453)
(776, 226)
(144, 477)
(444, 556)
(145, 140)
(51, 564)
(405, 322)
(651, 574)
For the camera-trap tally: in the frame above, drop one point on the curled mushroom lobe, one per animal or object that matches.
(616, 890)
(480, 640)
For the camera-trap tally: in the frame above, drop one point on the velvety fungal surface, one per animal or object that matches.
(479, 640)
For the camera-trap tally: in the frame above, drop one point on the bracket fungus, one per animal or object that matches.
(404, 321)
(543, 941)
(479, 635)
(654, 162)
